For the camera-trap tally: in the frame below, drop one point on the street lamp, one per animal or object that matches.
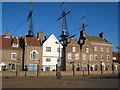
(59, 59)
(58, 74)
(17, 69)
(38, 68)
(88, 66)
(26, 68)
(73, 68)
(113, 67)
(101, 68)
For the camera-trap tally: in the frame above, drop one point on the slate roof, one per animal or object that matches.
(97, 39)
(7, 42)
(32, 41)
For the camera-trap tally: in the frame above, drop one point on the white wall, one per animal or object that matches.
(54, 55)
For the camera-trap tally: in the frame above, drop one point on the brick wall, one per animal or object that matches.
(64, 73)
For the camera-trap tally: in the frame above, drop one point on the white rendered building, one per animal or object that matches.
(51, 53)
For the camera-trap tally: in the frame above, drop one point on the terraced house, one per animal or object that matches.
(96, 52)
(32, 52)
(11, 53)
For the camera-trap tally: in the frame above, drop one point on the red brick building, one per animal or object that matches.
(11, 53)
(95, 52)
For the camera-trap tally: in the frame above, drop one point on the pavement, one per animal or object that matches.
(91, 81)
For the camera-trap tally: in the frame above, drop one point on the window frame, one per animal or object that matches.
(95, 48)
(108, 59)
(91, 55)
(48, 60)
(48, 49)
(74, 49)
(31, 55)
(84, 56)
(69, 56)
(12, 56)
(77, 56)
(95, 57)
(87, 50)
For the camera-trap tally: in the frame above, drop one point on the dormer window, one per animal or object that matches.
(14, 45)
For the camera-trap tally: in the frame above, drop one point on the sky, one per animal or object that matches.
(99, 16)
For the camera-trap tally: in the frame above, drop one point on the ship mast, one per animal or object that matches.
(29, 18)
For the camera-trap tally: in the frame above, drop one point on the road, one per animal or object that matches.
(96, 81)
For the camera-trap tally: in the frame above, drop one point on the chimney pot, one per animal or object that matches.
(40, 35)
(101, 35)
(7, 33)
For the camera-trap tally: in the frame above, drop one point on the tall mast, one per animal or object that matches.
(29, 18)
(64, 36)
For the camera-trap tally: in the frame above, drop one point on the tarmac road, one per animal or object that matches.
(96, 81)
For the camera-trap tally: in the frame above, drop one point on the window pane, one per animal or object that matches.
(96, 57)
(84, 56)
(48, 49)
(48, 59)
(91, 57)
(69, 56)
(102, 49)
(95, 48)
(87, 50)
(14, 56)
(74, 49)
(108, 57)
(102, 58)
(13, 67)
(77, 56)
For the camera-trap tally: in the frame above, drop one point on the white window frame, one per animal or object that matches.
(95, 48)
(31, 55)
(102, 58)
(101, 49)
(95, 57)
(14, 45)
(48, 60)
(84, 56)
(107, 57)
(87, 50)
(76, 56)
(108, 66)
(74, 49)
(107, 49)
(48, 49)
(91, 57)
(11, 67)
(12, 56)
(70, 56)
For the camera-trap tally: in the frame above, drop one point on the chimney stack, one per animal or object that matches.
(101, 35)
(7, 33)
(40, 35)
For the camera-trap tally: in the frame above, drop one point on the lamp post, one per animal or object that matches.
(17, 69)
(38, 68)
(101, 68)
(88, 66)
(113, 67)
(26, 70)
(58, 74)
(59, 60)
(73, 67)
